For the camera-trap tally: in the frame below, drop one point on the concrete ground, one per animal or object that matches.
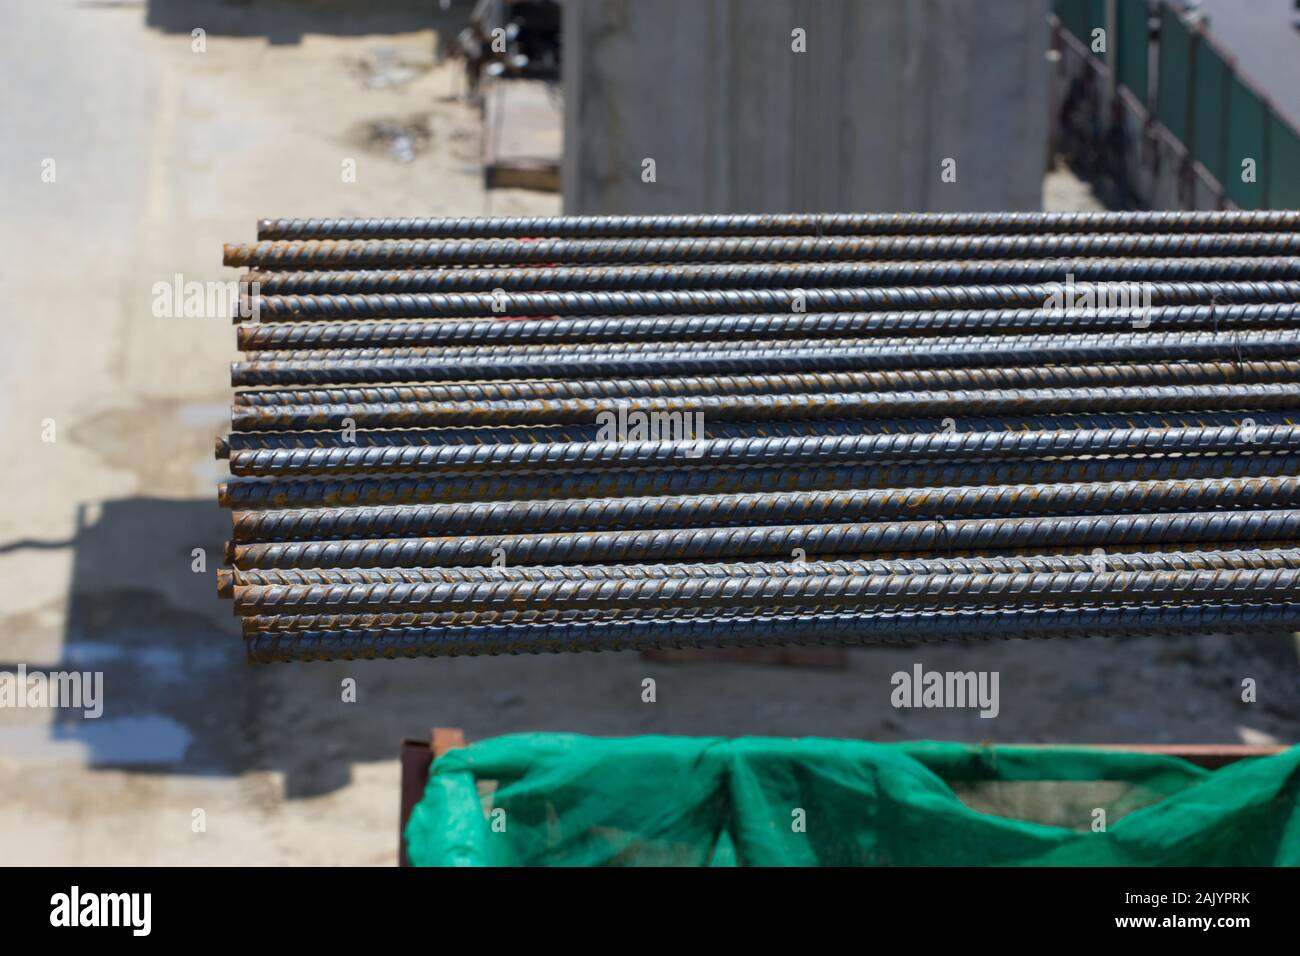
(160, 153)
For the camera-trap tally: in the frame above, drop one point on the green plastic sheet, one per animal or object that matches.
(568, 800)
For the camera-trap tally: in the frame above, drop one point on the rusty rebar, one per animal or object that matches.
(286, 336)
(1099, 375)
(377, 253)
(769, 408)
(757, 592)
(742, 452)
(685, 359)
(833, 224)
(762, 275)
(471, 436)
(684, 430)
(825, 629)
(783, 508)
(775, 541)
(254, 493)
(229, 579)
(336, 308)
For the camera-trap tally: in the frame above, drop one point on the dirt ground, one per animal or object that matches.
(162, 153)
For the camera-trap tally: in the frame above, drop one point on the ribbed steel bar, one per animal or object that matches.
(253, 493)
(272, 308)
(688, 431)
(1099, 375)
(831, 629)
(890, 345)
(784, 508)
(833, 355)
(449, 437)
(880, 592)
(377, 253)
(362, 620)
(680, 429)
(525, 435)
(832, 224)
(749, 452)
(778, 275)
(775, 541)
(252, 625)
(770, 408)
(259, 493)
(229, 579)
(286, 336)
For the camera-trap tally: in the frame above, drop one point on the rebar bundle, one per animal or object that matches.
(484, 436)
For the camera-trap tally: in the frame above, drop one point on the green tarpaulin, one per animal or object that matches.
(566, 800)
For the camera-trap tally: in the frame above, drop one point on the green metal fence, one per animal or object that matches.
(1242, 141)
(1283, 155)
(1174, 75)
(1210, 93)
(1245, 169)
(1081, 17)
(1131, 47)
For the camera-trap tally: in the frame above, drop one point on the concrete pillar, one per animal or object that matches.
(737, 121)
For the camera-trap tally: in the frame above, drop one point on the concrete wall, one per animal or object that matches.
(738, 122)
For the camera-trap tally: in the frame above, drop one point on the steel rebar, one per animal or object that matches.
(336, 308)
(742, 452)
(770, 408)
(1101, 375)
(784, 508)
(254, 493)
(447, 332)
(774, 541)
(470, 436)
(834, 629)
(377, 253)
(229, 579)
(783, 225)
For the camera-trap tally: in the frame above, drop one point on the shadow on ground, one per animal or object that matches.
(178, 695)
(140, 613)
